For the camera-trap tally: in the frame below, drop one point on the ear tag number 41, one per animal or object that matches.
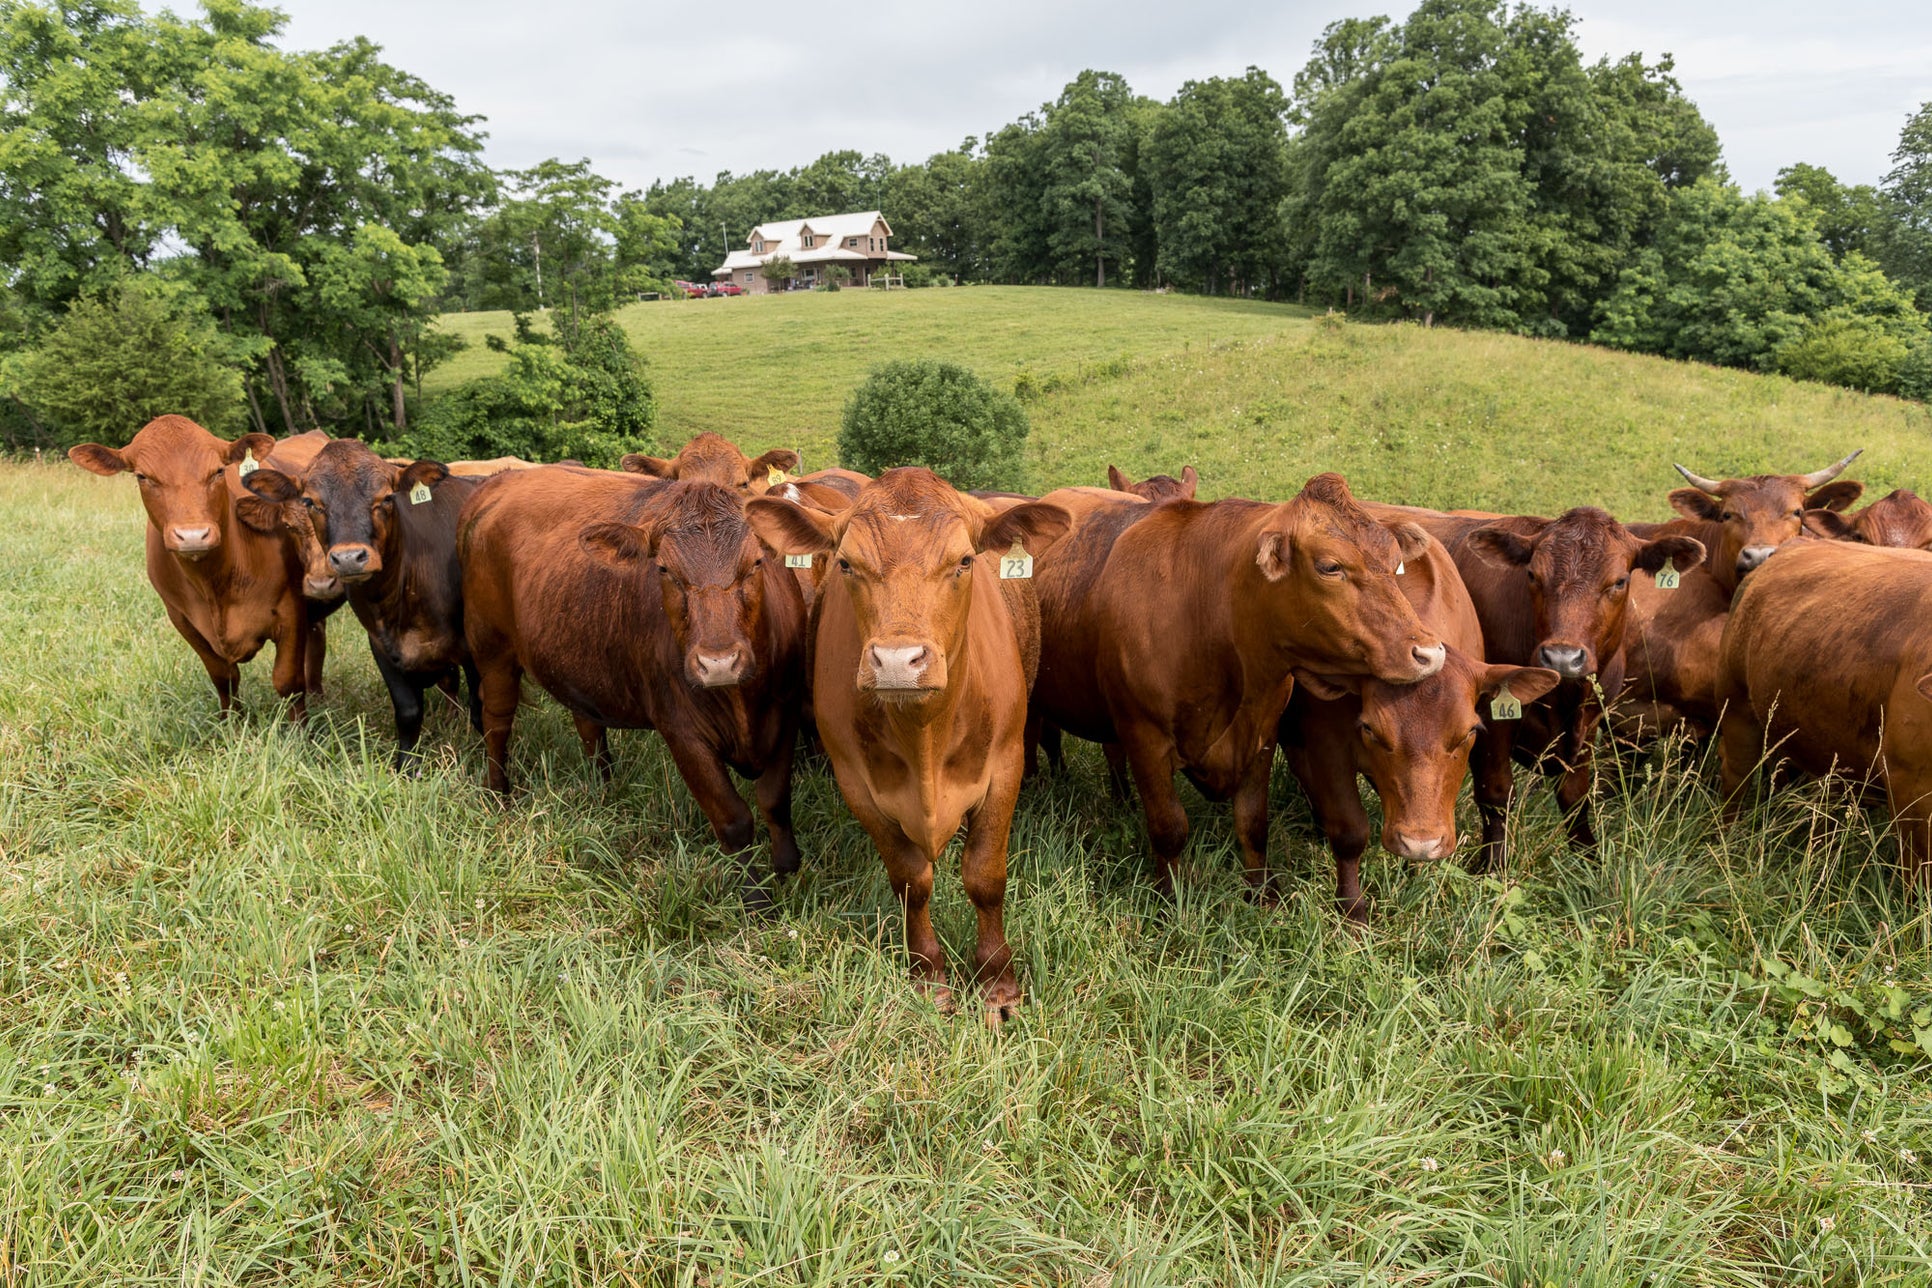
(1668, 577)
(1016, 564)
(1504, 706)
(798, 561)
(419, 494)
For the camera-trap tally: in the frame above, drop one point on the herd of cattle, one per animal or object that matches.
(932, 641)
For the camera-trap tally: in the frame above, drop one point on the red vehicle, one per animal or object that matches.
(693, 290)
(727, 288)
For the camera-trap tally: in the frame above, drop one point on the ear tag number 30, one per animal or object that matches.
(1016, 564)
(1504, 706)
(798, 561)
(248, 465)
(419, 494)
(1668, 576)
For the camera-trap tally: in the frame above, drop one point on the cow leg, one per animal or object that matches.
(1251, 825)
(909, 869)
(1494, 781)
(1153, 767)
(710, 781)
(1329, 780)
(223, 674)
(596, 740)
(1031, 739)
(406, 699)
(290, 672)
(982, 869)
(475, 682)
(1573, 798)
(1053, 743)
(774, 791)
(1740, 744)
(1116, 769)
(502, 687)
(316, 653)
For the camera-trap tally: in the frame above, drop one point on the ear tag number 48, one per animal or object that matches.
(1668, 576)
(1504, 706)
(1016, 564)
(419, 494)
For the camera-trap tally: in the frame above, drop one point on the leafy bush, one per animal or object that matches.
(580, 396)
(1852, 351)
(939, 415)
(1915, 372)
(913, 274)
(142, 349)
(835, 277)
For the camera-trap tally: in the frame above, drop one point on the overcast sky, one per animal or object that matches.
(650, 90)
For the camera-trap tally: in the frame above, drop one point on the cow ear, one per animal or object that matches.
(1273, 554)
(1694, 503)
(427, 473)
(1330, 688)
(96, 459)
(1501, 547)
(615, 543)
(1190, 480)
(637, 463)
(1035, 526)
(1825, 523)
(1526, 683)
(255, 445)
(1924, 685)
(790, 529)
(262, 516)
(1117, 481)
(1835, 495)
(778, 458)
(1684, 553)
(817, 495)
(1410, 538)
(271, 485)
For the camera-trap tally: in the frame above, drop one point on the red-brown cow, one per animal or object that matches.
(1898, 519)
(923, 659)
(1161, 487)
(391, 536)
(1180, 640)
(227, 588)
(642, 605)
(716, 459)
(1411, 741)
(1742, 521)
(1826, 662)
(292, 456)
(1550, 593)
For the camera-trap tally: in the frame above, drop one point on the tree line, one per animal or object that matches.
(280, 228)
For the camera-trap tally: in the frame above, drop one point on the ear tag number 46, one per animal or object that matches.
(1504, 706)
(1668, 576)
(419, 494)
(1016, 564)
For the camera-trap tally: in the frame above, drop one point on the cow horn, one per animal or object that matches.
(1698, 481)
(1818, 478)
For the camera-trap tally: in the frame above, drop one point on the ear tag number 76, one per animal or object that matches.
(1016, 564)
(1668, 576)
(1504, 706)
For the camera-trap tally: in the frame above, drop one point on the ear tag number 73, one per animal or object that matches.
(1016, 564)
(1504, 706)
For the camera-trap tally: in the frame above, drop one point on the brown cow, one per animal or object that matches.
(923, 659)
(319, 584)
(390, 533)
(1741, 521)
(642, 605)
(1178, 636)
(1550, 593)
(227, 588)
(1898, 519)
(1411, 741)
(1825, 661)
(716, 459)
(1161, 487)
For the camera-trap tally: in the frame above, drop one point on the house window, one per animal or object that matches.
(758, 247)
(851, 241)
(748, 276)
(808, 241)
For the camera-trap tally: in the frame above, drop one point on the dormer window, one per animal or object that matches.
(808, 241)
(758, 246)
(852, 243)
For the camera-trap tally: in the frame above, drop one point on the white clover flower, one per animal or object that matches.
(1557, 1157)
(890, 1256)
(1907, 1156)
(1871, 1137)
(792, 933)
(1825, 1224)
(50, 1088)
(1428, 1164)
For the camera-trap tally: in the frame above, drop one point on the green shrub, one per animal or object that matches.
(939, 415)
(1852, 351)
(143, 349)
(1915, 372)
(580, 396)
(913, 274)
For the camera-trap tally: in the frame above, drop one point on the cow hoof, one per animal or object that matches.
(938, 994)
(757, 898)
(1001, 1000)
(1354, 911)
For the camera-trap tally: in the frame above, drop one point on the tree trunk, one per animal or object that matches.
(254, 407)
(1100, 245)
(396, 386)
(536, 247)
(278, 384)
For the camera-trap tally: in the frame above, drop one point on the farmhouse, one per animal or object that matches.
(856, 241)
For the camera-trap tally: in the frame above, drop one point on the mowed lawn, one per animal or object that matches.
(271, 1013)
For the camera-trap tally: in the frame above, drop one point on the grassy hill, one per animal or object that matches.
(1258, 396)
(269, 1012)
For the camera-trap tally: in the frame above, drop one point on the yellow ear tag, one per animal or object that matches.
(798, 561)
(419, 494)
(1016, 564)
(774, 477)
(1504, 706)
(248, 465)
(1667, 576)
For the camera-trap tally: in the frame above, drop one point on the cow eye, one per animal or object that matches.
(965, 565)
(310, 502)
(1728, 516)
(1328, 568)
(844, 566)
(1620, 583)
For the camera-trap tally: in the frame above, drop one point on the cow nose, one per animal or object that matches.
(899, 667)
(1567, 660)
(321, 588)
(718, 670)
(349, 561)
(1751, 556)
(1420, 847)
(194, 540)
(1428, 660)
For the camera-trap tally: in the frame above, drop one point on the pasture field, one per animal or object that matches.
(270, 1013)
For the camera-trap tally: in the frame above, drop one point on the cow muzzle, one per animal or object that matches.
(1751, 556)
(191, 542)
(1570, 661)
(718, 670)
(354, 563)
(901, 668)
(1419, 848)
(1428, 660)
(321, 588)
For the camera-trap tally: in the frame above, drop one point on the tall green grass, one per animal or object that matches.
(271, 1013)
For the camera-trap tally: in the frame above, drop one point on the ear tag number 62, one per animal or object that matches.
(1016, 564)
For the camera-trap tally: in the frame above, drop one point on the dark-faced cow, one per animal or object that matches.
(713, 458)
(1411, 741)
(1825, 661)
(1178, 638)
(642, 605)
(390, 533)
(227, 588)
(923, 658)
(1161, 487)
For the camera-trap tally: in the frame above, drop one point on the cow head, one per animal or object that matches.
(351, 496)
(905, 552)
(1760, 513)
(1899, 519)
(694, 540)
(713, 458)
(1331, 602)
(1578, 567)
(1161, 487)
(274, 507)
(1416, 740)
(181, 470)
